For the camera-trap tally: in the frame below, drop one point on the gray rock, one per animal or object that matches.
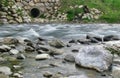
(94, 36)
(47, 74)
(10, 40)
(56, 43)
(111, 37)
(42, 57)
(21, 56)
(17, 75)
(4, 48)
(72, 41)
(84, 41)
(49, 50)
(69, 58)
(95, 57)
(29, 49)
(116, 72)
(54, 51)
(14, 51)
(5, 70)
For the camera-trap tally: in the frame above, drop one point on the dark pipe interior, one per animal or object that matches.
(35, 12)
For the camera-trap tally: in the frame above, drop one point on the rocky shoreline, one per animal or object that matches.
(24, 58)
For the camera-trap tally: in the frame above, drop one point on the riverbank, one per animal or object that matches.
(54, 58)
(93, 11)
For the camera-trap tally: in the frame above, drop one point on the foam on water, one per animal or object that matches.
(58, 30)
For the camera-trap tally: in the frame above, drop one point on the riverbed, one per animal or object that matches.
(64, 32)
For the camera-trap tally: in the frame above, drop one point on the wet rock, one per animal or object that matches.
(16, 67)
(27, 41)
(56, 43)
(41, 39)
(47, 74)
(94, 36)
(93, 40)
(84, 41)
(68, 45)
(69, 58)
(116, 72)
(54, 51)
(72, 41)
(14, 51)
(29, 49)
(4, 48)
(6, 70)
(21, 56)
(111, 37)
(75, 50)
(10, 40)
(44, 48)
(17, 75)
(40, 52)
(57, 75)
(95, 57)
(42, 57)
(30, 44)
(116, 60)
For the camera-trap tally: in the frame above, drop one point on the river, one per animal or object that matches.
(34, 69)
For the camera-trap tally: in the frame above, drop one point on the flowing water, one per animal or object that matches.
(62, 31)
(34, 69)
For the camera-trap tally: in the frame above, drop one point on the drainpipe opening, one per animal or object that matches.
(35, 12)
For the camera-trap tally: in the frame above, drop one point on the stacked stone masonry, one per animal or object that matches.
(19, 11)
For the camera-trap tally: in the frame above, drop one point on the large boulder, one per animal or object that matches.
(95, 57)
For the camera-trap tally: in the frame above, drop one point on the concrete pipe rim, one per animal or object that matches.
(35, 12)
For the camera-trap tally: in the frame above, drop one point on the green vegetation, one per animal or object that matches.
(109, 8)
(4, 2)
(114, 50)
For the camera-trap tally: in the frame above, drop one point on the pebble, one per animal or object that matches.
(42, 57)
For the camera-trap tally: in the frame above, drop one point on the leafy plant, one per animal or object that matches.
(4, 2)
(72, 13)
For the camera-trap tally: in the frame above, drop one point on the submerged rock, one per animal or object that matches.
(95, 57)
(111, 37)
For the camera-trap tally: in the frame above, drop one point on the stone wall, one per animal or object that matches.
(27, 11)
